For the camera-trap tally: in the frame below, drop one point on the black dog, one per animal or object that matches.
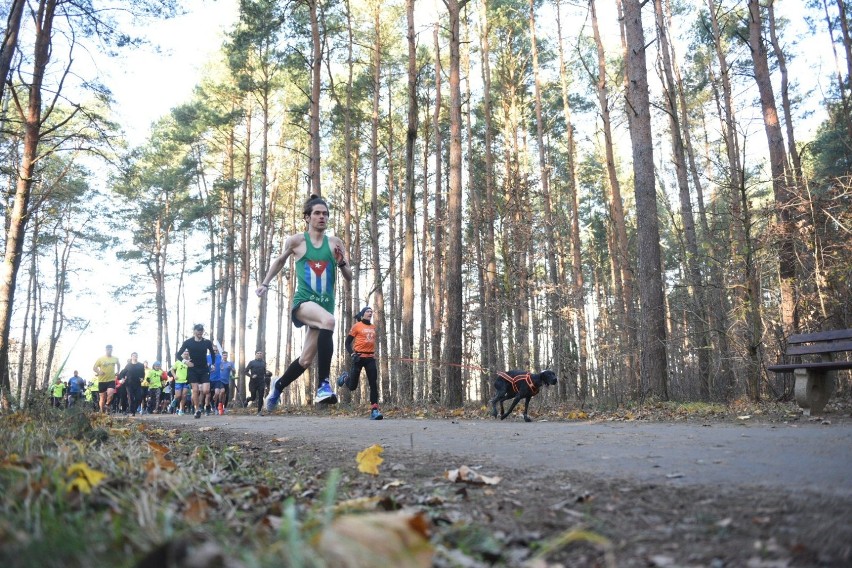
(518, 385)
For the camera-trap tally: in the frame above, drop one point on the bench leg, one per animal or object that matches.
(813, 389)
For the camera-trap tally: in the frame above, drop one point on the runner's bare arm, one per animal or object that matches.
(289, 248)
(341, 258)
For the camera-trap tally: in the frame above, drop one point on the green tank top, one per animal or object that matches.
(315, 274)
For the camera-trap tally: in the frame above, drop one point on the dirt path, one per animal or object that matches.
(763, 495)
(795, 457)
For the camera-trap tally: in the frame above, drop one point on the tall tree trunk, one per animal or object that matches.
(847, 39)
(438, 240)
(388, 340)
(489, 211)
(455, 314)
(476, 195)
(265, 229)
(748, 293)
(425, 264)
(652, 326)
(31, 116)
(577, 294)
(10, 41)
(60, 266)
(623, 277)
(245, 255)
(231, 265)
(348, 173)
(842, 85)
(696, 301)
(20, 393)
(550, 256)
(314, 126)
(406, 381)
(378, 290)
(777, 160)
(795, 159)
(36, 316)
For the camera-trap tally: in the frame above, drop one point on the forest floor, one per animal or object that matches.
(287, 489)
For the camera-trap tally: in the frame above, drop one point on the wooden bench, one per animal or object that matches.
(815, 380)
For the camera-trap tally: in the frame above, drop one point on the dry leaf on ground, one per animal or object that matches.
(85, 478)
(377, 539)
(369, 459)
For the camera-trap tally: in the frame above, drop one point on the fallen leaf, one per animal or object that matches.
(158, 448)
(357, 504)
(85, 478)
(206, 428)
(377, 539)
(281, 440)
(467, 475)
(196, 509)
(744, 417)
(369, 459)
(157, 464)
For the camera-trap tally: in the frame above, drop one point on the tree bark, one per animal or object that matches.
(795, 159)
(20, 213)
(652, 325)
(438, 240)
(454, 299)
(378, 289)
(696, 303)
(577, 293)
(490, 309)
(314, 126)
(622, 274)
(551, 258)
(777, 160)
(406, 380)
(10, 41)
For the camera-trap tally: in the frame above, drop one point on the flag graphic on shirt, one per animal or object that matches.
(316, 275)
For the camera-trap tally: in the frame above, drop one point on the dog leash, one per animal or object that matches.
(527, 378)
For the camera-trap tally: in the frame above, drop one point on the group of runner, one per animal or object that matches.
(199, 381)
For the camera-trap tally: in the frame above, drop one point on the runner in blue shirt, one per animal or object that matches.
(224, 370)
(76, 386)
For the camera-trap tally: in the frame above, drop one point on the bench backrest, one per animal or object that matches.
(822, 342)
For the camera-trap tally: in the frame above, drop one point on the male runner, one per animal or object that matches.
(105, 368)
(315, 255)
(198, 373)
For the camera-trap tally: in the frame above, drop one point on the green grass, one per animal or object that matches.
(137, 507)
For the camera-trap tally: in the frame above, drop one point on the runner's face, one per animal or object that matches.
(368, 315)
(319, 217)
(199, 333)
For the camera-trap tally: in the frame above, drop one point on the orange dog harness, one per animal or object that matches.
(527, 378)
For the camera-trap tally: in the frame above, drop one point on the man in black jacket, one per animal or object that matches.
(132, 375)
(256, 371)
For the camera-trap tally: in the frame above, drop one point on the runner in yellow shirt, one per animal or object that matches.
(57, 391)
(106, 368)
(154, 377)
(179, 371)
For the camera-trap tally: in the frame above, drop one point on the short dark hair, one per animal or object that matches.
(314, 199)
(198, 326)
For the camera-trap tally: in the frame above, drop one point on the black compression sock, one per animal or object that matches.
(325, 349)
(293, 372)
